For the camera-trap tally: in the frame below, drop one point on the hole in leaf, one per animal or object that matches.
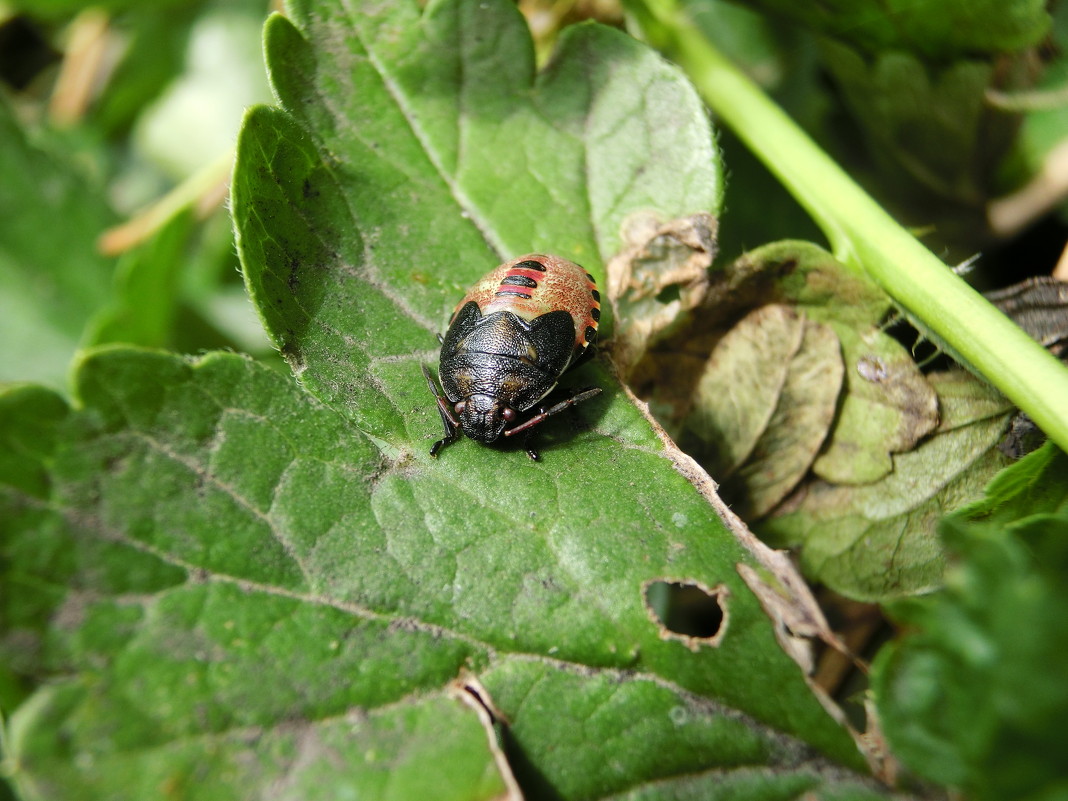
(687, 611)
(669, 294)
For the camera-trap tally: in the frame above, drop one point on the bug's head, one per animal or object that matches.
(484, 417)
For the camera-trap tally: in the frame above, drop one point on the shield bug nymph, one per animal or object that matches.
(509, 340)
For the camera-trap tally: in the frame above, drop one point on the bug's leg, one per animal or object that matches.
(531, 452)
(452, 428)
(437, 446)
(543, 413)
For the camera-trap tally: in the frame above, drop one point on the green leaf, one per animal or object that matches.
(424, 152)
(54, 279)
(803, 415)
(1033, 486)
(226, 582)
(938, 30)
(145, 295)
(974, 697)
(888, 407)
(927, 126)
(155, 43)
(856, 470)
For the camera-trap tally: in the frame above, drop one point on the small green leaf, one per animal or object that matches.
(930, 125)
(740, 388)
(54, 279)
(885, 406)
(895, 448)
(974, 696)
(938, 30)
(1034, 486)
(146, 290)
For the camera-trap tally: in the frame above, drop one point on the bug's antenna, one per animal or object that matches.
(578, 397)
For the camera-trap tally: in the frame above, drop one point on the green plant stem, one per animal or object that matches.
(865, 237)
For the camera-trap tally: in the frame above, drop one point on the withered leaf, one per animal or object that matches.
(803, 416)
(739, 389)
(764, 405)
(658, 277)
(887, 408)
(878, 541)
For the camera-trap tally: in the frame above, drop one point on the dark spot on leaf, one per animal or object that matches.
(293, 279)
(687, 611)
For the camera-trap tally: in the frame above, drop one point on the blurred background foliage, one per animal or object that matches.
(119, 121)
(952, 114)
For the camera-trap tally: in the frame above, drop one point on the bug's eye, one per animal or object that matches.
(508, 413)
(459, 407)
